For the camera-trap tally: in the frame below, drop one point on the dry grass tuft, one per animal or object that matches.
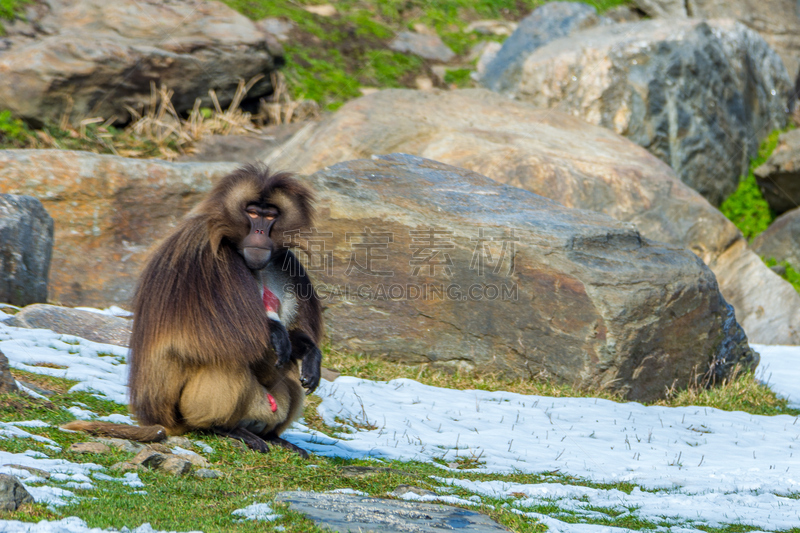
(158, 130)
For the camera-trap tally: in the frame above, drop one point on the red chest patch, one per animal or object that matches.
(271, 302)
(272, 403)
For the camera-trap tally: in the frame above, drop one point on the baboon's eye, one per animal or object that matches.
(252, 213)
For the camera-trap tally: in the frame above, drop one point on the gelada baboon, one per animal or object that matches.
(226, 323)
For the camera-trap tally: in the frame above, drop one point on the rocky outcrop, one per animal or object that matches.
(663, 8)
(777, 21)
(12, 493)
(551, 21)
(565, 159)
(660, 319)
(94, 58)
(349, 512)
(697, 94)
(428, 46)
(428, 263)
(108, 211)
(86, 324)
(7, 381)
(779, 177)
(781, 241)
(26, 245)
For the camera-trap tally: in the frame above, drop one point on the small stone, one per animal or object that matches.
(124, 466)
(150, 458)
(207, 473)
(422, 45)
(35, 471)
(423, 83)
(122, 444)
(183, 442)
(175, 465)
(12, 493)
(327, 373)
(325, 10)
(423, 29)
(194, 458)
(278, 27)
(89, 447)
(160, 448)
(403, 489)
(492, 27)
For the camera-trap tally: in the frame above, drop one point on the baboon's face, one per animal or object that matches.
(257, 247)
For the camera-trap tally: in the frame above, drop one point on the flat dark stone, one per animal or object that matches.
(347, 512)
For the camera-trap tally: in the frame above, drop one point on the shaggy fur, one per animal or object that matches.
(201, 355)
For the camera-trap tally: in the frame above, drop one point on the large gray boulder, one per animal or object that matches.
(26, 246)
(86, 324)
(562, 158)
(349, 512)
(660, 319)
(94, 57)
(429, 263)
(779, 176)
(777, 21)
(546, 23)
(781, 241)
(697, 94)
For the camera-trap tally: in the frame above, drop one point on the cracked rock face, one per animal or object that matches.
(26, 247)
(781, 241)
(94, 58)
(424, 262)
(344, 512)
(779, 176)
(698, 94)
(563, 158)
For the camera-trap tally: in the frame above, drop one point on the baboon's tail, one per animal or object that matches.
(120, 431)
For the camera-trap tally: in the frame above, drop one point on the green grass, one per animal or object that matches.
(746, 207)
(13, 132)
(791, 275)
(329, 59)
(188, 503)
(11, 9)
(744, 393)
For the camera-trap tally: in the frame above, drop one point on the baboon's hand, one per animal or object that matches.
(311, 370)
(280, 342)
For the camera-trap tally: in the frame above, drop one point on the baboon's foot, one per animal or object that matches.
(253, 441)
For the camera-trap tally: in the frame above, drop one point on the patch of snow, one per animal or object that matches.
(779, 369)
(713, 509)
(68, 525)
(109, 311)
(257, 511)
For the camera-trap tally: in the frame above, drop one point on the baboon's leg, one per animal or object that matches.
(214, 397)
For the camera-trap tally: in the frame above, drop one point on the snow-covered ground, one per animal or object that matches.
(692, 466)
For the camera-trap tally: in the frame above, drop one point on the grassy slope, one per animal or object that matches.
(331, 59)
(187, 503)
